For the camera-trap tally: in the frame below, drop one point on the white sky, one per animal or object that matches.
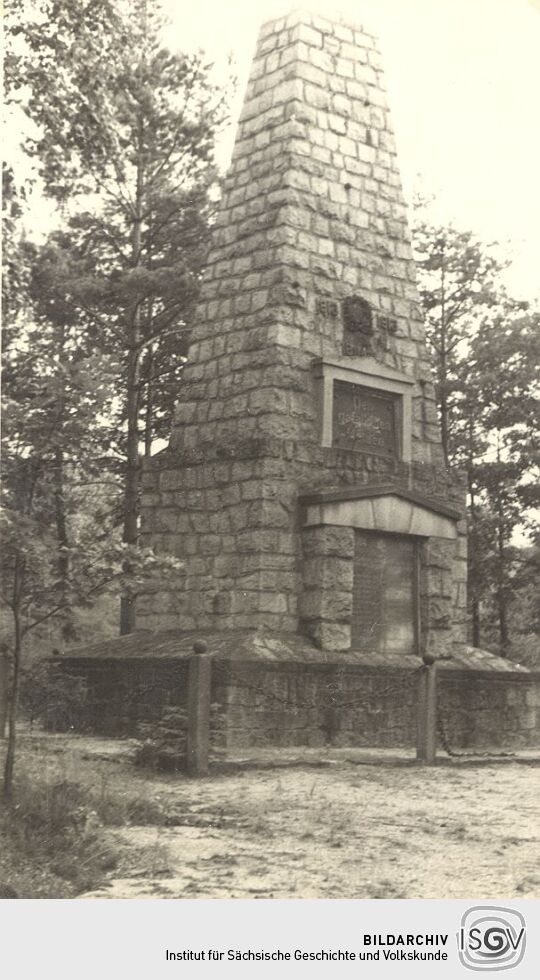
(464, 87)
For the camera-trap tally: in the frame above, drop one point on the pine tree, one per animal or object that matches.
(458, 280)
(50, 445)
(484, 346)
(132, 165)
(500, 401)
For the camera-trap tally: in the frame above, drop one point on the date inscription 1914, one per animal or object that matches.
(326, 307)
(363, 420)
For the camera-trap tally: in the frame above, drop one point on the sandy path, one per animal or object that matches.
(342, 830)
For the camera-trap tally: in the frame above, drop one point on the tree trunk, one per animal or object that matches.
(473, 553)
(502, 600)
(13, 703)
(476, 624)
(149, 414)
(63, 540)
(443, 368)
(133, 337)
(4, 688)
(131, 493)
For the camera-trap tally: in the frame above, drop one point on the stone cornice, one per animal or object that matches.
(386, 490)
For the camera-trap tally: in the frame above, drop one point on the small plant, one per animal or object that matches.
(163, 743)
(56, 826)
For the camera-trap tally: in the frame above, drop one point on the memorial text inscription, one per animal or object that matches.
(364, 420)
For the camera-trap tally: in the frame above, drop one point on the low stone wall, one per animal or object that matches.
(488, 709)
(299, 704)
(123, 693)
(315, 704)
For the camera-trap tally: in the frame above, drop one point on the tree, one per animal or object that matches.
(459, 278)
(484, 346)
(44, 576)
(34, 592)
(55, 396)
(525, 608)
(132, 164)
(37, 427)
(500, 411)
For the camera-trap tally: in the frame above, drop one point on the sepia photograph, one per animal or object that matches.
(269, 621)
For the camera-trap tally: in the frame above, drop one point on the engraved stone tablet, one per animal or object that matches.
(364, 420)
(384, 594)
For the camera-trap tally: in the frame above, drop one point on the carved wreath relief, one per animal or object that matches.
(364, 332)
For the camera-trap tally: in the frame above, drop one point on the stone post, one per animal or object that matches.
(426, 731)
(198, 713)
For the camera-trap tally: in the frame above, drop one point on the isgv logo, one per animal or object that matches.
(491, 938)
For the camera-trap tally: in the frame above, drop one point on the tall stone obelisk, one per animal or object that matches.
(306, 422)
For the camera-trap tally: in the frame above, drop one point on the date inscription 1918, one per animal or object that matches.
(363, 420)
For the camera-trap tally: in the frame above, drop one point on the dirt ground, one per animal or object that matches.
(329, 823)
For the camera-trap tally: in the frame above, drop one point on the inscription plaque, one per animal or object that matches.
(384, 598)
(364, 420)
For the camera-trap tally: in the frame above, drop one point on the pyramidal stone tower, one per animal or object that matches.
(304, 486)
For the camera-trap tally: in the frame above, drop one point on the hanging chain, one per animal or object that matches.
(464, 753)
(331, 699)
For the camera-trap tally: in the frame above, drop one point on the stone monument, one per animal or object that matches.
(321, 535)
(304, 486)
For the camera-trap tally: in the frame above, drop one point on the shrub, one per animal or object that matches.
(52, 696)
(163, 744)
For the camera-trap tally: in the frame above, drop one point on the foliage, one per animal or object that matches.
(131, 165)
(35, 592)
(52, 696)
(55, 823)
(458, 282)
(485, 347)
(102, 59)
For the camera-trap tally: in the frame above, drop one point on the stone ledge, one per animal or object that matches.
(366, 491)
(249, 646)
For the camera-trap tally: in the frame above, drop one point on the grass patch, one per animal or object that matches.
(57, 836)
(55, 844)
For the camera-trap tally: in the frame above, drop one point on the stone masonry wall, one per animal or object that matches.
(250, 571)
(312, 212)
(325, 704)
(288, 704)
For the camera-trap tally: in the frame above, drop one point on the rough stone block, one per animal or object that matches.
(333, 636)
(329, 541)
(310, 36)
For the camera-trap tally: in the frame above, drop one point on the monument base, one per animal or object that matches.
(281, 690)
